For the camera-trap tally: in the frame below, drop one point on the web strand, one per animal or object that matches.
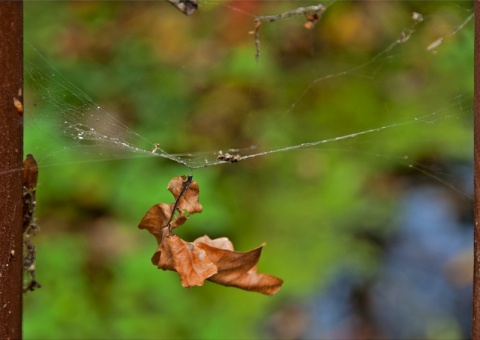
(92, 129)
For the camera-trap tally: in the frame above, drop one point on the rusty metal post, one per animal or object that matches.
(476, 155)
(11, 154)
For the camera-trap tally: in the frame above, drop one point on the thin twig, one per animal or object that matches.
(290, 14)
(177, 202)
(312, 14)
(440, 40)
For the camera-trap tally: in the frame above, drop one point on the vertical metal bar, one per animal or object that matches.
(476, 155)
(11, 154)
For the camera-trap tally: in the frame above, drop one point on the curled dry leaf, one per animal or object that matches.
(237, 269)
(203, 259)
(186, 203)
(30, 172)
(190, 262)
(30, 178)
(186, 200)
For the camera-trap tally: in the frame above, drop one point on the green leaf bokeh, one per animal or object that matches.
(192, 84)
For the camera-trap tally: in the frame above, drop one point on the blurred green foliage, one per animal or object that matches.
(192, 84)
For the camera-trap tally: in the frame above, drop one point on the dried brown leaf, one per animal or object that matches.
(221, 243)
(198, 261)
(239, 269)
(30, 178)
(203, 259)
(30, 172)
(156, 218)
(189, 201)
(190, 262)
(159, 216)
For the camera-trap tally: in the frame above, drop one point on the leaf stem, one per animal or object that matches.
(186, 183)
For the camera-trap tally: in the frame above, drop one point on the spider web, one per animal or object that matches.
(67, 125)
(371, 88)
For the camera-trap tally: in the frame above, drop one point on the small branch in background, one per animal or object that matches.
(311, 13)
(439, 41)
(293, 13)
(187, 7)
